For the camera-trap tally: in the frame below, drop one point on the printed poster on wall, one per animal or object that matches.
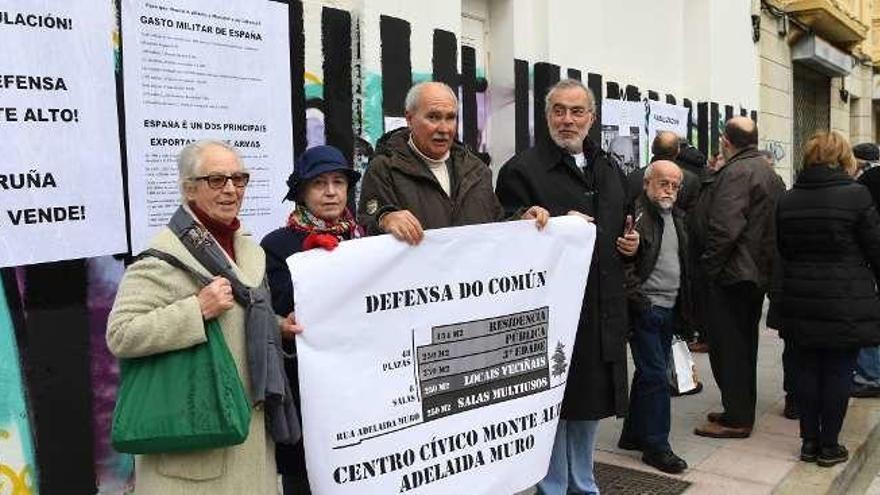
(61, 193)
(623, 133)
(200, 69)
(439, 368)
(666, 117)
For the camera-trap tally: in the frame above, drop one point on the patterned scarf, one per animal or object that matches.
(321, 233)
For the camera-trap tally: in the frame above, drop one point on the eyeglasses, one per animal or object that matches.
(576, 112)
(666, 184)
(218, 181)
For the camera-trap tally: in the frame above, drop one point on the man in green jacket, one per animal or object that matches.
(422, 178)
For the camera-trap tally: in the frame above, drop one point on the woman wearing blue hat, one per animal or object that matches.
(319, 188)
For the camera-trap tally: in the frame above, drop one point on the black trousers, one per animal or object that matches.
(697, 325)
(824, 378)
(294, 485)
(789, 367)
(734, 315)
(291, 460)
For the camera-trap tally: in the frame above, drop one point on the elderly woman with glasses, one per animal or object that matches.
(319, 186)
(161, 307)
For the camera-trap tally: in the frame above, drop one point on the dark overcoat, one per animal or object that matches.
(829, 241)
(737, 217)
(279, 245)
(546, 176)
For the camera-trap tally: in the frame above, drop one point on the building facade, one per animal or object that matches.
(817, 72)
(505, 53)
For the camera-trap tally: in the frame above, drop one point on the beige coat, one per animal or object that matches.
(156, 310)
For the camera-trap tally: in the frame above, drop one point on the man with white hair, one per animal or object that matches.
(660, 298)
(422, 178)
(568, 173)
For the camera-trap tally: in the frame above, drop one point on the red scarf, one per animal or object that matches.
(223, 233)
(323, 234)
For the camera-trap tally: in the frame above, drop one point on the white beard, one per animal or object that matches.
(573, 146)
(665, 204)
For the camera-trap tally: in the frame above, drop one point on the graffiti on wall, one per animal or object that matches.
(114, 472)
(16, 476)
(777, 149)
(16, 450)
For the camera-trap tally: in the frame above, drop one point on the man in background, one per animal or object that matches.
(659, 299)
(739, 221)
(666, 146)
(866, 380)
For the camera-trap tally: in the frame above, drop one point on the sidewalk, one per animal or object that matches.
(765, 463)
(874, 489)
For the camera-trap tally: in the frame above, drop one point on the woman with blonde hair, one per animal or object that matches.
(828, 232)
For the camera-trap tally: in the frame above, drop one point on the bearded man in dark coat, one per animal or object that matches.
(569, 174)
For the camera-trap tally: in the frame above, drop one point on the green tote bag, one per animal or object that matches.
(188, 399)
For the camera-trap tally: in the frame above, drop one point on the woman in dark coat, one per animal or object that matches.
(319, 186)
(829, 242)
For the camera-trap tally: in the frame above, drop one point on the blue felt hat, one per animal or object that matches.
(316, 161)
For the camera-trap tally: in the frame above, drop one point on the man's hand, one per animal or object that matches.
(290, 328)
(215, 298)
(628, 245)
(403, 225)
(579, 214)
(538, 214)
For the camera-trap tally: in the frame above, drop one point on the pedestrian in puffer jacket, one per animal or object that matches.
(828, 233)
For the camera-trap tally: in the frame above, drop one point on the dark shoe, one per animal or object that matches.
(829, 456)
(715, 430)
(628, 444)
(665, 461)
(693, 391)
(809, 450)
(790, 410)
(865, 391)
(715, 417)
(700, 347)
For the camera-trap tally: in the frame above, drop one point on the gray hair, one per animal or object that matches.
(649, 170)
(569, 84)
(414, 95)
(189, 160)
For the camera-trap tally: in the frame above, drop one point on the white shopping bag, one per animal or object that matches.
(684, 373)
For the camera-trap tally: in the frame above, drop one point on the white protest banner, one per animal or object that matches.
(439, 368)
(623, 133)
(61, 193)
(666, 117)
(197, 69)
